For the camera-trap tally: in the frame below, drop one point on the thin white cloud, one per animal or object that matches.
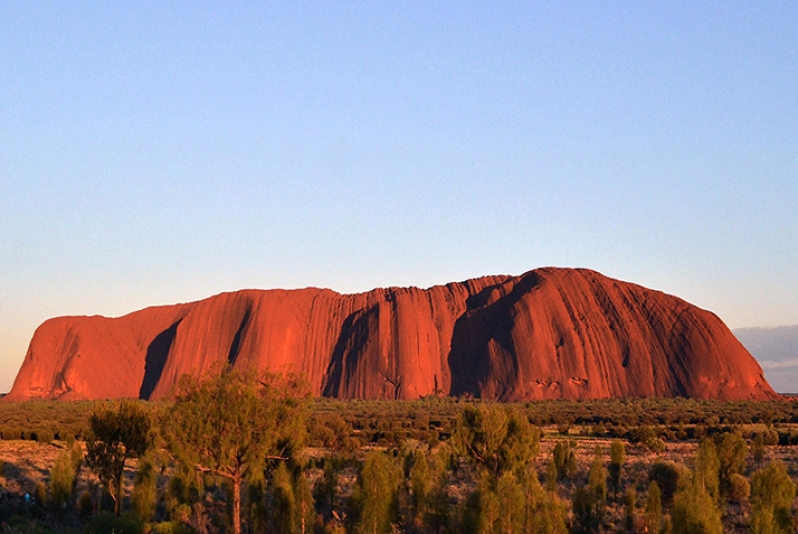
(770, 364)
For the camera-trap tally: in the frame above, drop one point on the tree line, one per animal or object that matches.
(231, 454)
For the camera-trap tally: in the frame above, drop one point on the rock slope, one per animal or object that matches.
(549, 333)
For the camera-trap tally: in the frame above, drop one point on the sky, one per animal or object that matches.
(776, 349)
(157, 152)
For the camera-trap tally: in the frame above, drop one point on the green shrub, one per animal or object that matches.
(642, 434)
(739, 489)
(144, 490)
(11, 434)
(108, 523)
(666, 475)
(564, 459)
(655, 445)
(772, 495)
(653, 517)
(62, 478)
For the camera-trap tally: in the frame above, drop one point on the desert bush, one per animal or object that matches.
(758, 448)
(738, 489)
(642, 434)
(43, 436)
(10, 434)
(771, 437)
(655, 445)
(666, 476)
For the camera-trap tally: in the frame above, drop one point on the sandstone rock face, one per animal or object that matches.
(550, 333)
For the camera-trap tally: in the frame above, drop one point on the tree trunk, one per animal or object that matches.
(118, 496)
(236, 506)
(304, 514)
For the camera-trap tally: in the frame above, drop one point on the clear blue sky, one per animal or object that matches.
(154, 153)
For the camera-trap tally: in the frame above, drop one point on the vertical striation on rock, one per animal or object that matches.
(549, 333)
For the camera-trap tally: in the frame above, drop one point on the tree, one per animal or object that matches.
(144, 490)
(629, 502)
(732, 451)
(564, 459)
(438, 517)
(695, 511)
(590, 503)
(545, 512)
(284, 507)
(772, 495)
(695, 508)
(375, 495)
(420, 485)
(230, 424)
(653, 509)
(510, 496)
(667, 475)
(115, 436)
(707, 468)
(551, 476)
(305, 513)
(758, 448)
(496, 438)
(617, 459)
(62, 478)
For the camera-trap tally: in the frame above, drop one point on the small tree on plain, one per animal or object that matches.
(617, 459)
(420, 485)
(375, 495)
(772, 495)
(115, 436)
(653, 508)
(62, 478)
(230, 424)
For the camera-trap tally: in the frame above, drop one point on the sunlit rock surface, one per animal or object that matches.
(549, 333)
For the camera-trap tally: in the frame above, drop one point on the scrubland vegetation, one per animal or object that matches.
(250, 454)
